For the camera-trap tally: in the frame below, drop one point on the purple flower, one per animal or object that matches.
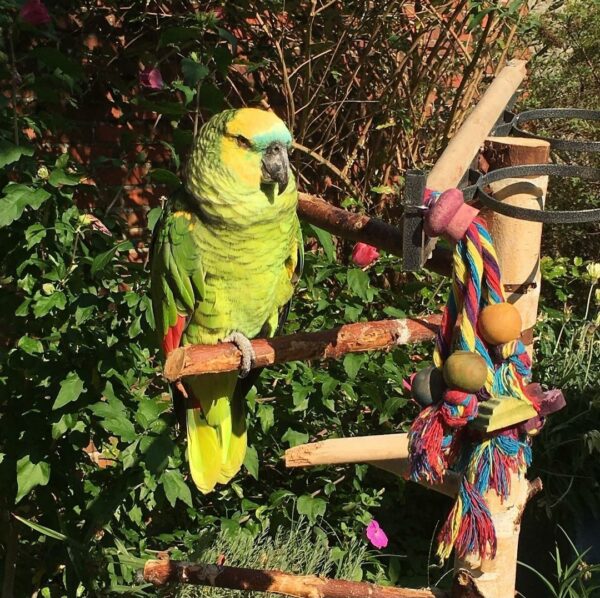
(35, 13)
(151, 78)
(376, 535)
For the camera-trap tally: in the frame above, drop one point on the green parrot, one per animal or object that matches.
(226, 255)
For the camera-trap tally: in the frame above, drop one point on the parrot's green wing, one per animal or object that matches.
(177, 274)
(178, 286)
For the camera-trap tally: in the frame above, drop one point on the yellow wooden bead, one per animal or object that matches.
(466, 371)
(500, 323)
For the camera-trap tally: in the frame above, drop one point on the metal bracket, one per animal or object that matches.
(417, 247)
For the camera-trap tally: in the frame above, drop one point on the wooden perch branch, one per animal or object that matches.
(328, 344)
(162, 572)
(386, 451)
(363, 228)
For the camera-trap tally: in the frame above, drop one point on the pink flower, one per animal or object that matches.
(364, 255)
(376, 535)
(151, 78)
(35, 13)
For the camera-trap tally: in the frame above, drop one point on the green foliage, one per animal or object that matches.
(568, 353)
(299, 548)
(573, 579)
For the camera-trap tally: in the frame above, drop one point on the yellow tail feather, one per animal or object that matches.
(216, 432)
(236, 450)
(204, 451)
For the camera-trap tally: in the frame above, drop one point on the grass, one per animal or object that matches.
(302, 549)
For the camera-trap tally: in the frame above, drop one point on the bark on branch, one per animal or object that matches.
(328, 344)
(363, 228)
(162, 572)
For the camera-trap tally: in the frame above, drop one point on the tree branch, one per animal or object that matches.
(328, 344)
(162, 572)
(363, 228)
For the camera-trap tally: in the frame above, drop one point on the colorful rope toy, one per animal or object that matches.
(479, 408)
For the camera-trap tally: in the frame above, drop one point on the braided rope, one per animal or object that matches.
(436, 442)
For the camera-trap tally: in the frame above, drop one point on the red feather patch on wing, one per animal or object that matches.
(173, 337)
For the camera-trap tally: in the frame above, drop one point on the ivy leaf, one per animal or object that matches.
(353, 362)
(70, 389)
(120, 427)
(34, 234)
(266, 415)
(103, 259)
(45, 304)
(311, 507)
(251, 462)
(187, 91)
(165, 177)
(30, 345)
(358, 281)
(294, 438)
(152, 218)
(193, 72)
(9, 152)
(382, 190)
(175, 487)
(59, 177)
(18, 197)
(326, 241)
(30, 475)
(66, 422)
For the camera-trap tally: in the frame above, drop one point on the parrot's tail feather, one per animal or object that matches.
(204, 451)
(216, 431)
(237, 444)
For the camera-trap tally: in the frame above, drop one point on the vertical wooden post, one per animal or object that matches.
(517, 244)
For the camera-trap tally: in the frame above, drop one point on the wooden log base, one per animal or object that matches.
(464, 586)
(328, 344)
(162, 572)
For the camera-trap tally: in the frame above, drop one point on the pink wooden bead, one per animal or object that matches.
(450, 216)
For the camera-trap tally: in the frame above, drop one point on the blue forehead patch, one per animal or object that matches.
(275, 135)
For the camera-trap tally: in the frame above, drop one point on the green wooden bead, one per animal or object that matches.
(428, 386)
(465, 371)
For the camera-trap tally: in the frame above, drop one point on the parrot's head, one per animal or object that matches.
(255, 144)
(249, 146)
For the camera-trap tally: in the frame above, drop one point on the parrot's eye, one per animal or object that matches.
(245, 143)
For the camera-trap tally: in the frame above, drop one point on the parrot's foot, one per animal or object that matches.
(242, 342)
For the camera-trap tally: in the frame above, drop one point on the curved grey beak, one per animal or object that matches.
(275, 166)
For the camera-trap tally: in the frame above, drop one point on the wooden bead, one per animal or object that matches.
(428, 386)
(465, 371)
(500, 323)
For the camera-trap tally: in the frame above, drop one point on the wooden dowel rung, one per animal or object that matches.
(385, 451)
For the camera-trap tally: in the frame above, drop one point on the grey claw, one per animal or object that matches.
(243, 343)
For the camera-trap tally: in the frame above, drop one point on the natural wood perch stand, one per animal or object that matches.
(350, 338)
(162, 572)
